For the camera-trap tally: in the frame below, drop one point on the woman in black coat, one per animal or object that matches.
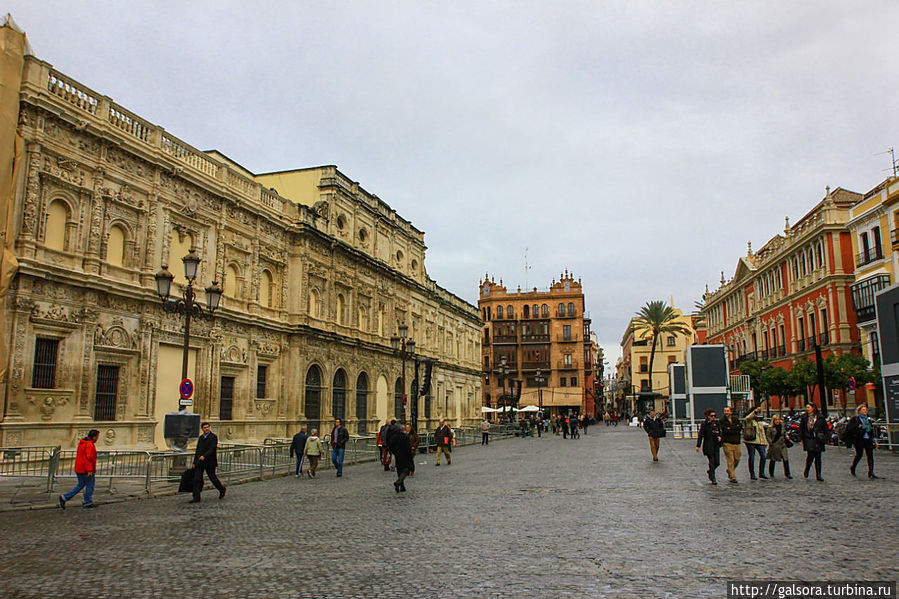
(812, 433)
(709, 439)
(401, 448)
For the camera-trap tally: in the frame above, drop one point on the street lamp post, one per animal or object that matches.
(539, 380)
(404, 348)
(187, 305)
(502, 371)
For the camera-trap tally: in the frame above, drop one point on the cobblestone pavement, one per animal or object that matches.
(524, 517)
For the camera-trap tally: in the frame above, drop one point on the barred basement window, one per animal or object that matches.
(44, 374)
(107, 392)
(261, 374)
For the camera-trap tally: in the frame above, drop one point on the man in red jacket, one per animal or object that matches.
(85, 470)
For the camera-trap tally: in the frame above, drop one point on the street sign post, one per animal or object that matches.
(187, 390)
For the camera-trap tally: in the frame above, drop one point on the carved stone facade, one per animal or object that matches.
(105, 198)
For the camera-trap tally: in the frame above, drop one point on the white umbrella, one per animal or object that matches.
(529, 409)
(486, 409)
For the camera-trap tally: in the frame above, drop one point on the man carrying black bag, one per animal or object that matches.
(206, 460)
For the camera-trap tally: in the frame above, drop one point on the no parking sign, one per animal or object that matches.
(187, 390)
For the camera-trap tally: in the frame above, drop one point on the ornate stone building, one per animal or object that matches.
(316, 282)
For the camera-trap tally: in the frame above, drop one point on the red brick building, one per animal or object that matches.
(791, 293)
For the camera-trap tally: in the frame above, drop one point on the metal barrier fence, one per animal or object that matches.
(236, 462)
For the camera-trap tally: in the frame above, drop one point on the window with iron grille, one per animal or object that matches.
(44, 374)
(226, 399)
(107, 392)
(261, 374)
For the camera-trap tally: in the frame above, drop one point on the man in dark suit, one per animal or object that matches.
(709, 440)
(206, 460)
(339, 437)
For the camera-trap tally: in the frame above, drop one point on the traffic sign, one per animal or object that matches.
(851, 382)
(185, 403)
(187, 389)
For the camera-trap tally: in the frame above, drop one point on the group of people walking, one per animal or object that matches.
(310, 446)
(772, 443)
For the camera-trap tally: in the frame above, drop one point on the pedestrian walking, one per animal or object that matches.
(565, 427)
(709, 440)
(314, 449)
(297, 445)
(523, 424)
(731, 430)
(206, 460)
(401, 447)
(585, 423)
(778, 443)
(573, 427)
(339, 437)
(540, 425)
(382, 446)
(756, 442)
(861, 434)
(85, 470)
(443, 436)
(414, 442)
(485, 432)
(812, 433)
(654, 428)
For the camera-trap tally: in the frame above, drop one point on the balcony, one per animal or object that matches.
(765, 355)
(812, 341)
(750, 357)
(867, 257)
(566, 339)
(782, 351)
(863, 296)
(824, 338)
(544, 365)
(535, 338)
(801, 345)
(501, 339)
(563, 365)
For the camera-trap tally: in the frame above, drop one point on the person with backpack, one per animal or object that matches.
(861, 433)
(756, 442)
(85, 470)
(777, 446)
(812, 433)
(654, 428)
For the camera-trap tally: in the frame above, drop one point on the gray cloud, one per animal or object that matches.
(638, 144)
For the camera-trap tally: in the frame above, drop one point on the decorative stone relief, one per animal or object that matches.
(47, 403)
(109, 436)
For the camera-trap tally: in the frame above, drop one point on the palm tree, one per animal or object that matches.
(656, 318)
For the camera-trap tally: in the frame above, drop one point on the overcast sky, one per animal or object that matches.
(638, 144)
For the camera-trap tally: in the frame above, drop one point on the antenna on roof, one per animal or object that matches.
(892, 154)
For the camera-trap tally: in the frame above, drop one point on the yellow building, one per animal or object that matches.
(318, 275)
(636, 348)
(874, 224)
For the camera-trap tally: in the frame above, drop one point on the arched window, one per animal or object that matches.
(561, 309)
(361, 403)
(265, 289)
(398, 399)
(230, 286)
(535, 313)
(526, 312)
(341, 305)
(499, 311)
(570, 309)
(510, 311)
(55, 232)
(314, 303)
(362, 318)
(338, 396)
(313, 402)
(544, 310)
(115, 246)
